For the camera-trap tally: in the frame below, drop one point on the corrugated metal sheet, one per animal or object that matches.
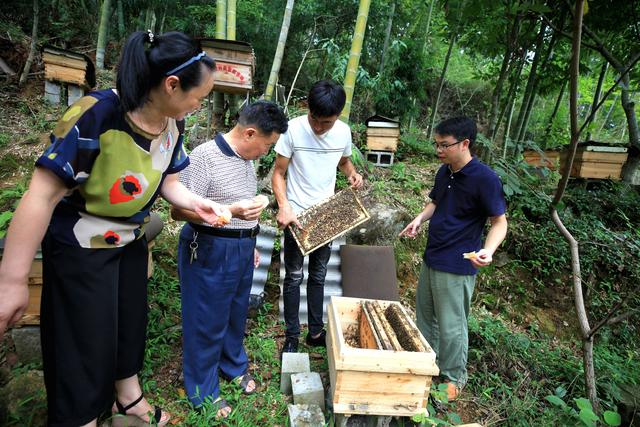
(264, 244)
(332, 284)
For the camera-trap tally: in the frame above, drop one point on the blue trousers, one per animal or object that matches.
(215, 286)
(294, 274)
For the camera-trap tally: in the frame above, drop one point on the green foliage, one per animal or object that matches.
(4, 139)
(526, 188)
(407, 180)
(513, 371)
(438, 395)
(414, 142)
(582, 414)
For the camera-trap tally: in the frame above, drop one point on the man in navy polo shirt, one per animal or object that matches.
(466, 193)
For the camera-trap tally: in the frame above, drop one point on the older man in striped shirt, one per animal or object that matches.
(216, 264)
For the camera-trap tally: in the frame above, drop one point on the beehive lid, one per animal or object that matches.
(602, 147)
(381, 122)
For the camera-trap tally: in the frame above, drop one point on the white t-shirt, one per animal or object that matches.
(311, 175)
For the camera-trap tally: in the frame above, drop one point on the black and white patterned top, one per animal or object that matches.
(218, 173)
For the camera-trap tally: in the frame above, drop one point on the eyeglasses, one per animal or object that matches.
(444, 146)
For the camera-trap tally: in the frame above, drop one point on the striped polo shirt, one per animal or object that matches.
(218, 173)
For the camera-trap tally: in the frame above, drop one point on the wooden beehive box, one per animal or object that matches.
(548, 158)
(66, 66)
(597, 161)
(383, 133)
(235, 65)
(375, 382)
(328, 220)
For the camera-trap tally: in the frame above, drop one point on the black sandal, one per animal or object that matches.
(219, 404)
(122, 419)
(243, 382)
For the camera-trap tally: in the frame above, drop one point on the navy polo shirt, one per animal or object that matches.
(464, 201)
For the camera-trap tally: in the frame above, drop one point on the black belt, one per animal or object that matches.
(226, 232)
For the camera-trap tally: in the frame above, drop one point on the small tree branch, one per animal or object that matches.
(606, 318)
(622, 317)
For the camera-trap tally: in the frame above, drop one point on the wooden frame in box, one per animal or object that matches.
(376, 382)
(313, 210)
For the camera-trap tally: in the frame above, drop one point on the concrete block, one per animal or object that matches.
(27, 342)
(380, 158)
(292, 363)
(305, 416)
(74, 93)
(51, 92)
(307, 389)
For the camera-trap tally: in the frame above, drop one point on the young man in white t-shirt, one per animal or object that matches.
(308, 154)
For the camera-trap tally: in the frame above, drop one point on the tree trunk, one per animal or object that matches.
(506, 61)
(221, 33)
(556, 107)
(32, 48)
(231, 19)
(234, 101)
(102, 33)
(583, 321)
(121, 27)
(424, 48)
(426, 32)
(354, 57)
(511, 97)
(528, 91)
(534, 92)
(505, 139)
(164, 15)
(596, 97)
(627, 104)
(629, 111)
(606, 118)
(150, 20)
(387, 36)
(277, 58)
(434, 109)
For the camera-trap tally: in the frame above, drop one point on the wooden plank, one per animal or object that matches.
(549, 159)
(596, 170)
(64, 74)
(231, 77)
(64, 61)
(378, 329)
(238, 56)
(601, 157)
(36, 268)
(366, 335)
(387, 327)
(371, 131)
(382, 143)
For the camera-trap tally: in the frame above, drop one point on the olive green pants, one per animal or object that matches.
(442, 309)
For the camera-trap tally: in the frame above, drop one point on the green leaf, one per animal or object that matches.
(583, 404)
(612, 418)
(588, 417)
(556, 401)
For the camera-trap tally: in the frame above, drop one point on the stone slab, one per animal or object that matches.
(306, 416)
(307, 389)
(292, 363)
